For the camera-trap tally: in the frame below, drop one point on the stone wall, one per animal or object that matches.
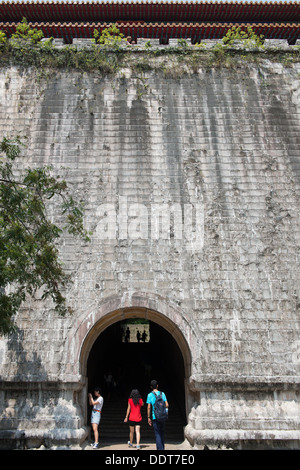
(219, 146)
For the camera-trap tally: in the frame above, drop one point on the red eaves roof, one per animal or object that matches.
(196, 20)
(182, 11)
(195, 31)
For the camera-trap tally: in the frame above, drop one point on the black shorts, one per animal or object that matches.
(134, 423)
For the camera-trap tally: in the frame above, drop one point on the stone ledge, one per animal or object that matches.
(47, 385)
(179, 44)
(50, 439)
(242, 439)
(212, 382)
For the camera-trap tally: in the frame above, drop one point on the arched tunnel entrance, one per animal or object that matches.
(150, 352)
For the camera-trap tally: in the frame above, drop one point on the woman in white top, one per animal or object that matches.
(96, 414)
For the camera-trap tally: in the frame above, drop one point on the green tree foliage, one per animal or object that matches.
(109, 37)
(23, 31)
(2, 37)
(29, 258)
(248, 37)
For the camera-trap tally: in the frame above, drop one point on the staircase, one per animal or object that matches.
(113, 429)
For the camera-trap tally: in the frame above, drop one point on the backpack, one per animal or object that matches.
(159, 408)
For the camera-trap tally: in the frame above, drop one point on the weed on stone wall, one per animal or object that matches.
(172, 62)
(109, 53)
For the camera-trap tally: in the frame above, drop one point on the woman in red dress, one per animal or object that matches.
(134, 417)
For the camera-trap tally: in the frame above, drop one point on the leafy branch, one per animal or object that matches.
(29, 258)
(24, 32)
(109, 37)
(248, 37)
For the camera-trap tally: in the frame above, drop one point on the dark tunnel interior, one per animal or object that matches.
(135, 362)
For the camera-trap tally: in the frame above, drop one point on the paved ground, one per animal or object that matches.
(144, 446)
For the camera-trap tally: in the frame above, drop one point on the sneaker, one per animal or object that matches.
(129, 444)
(96, 445)
(138, 446)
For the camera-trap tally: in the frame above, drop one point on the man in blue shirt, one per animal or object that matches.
(158, 426)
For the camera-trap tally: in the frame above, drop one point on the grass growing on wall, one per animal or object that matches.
(172, 61)
(109, 53)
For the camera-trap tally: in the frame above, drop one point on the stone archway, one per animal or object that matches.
(99, 329)
(135, 312)
(133, 364)
(90, 325)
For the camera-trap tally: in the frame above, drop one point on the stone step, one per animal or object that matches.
(112, 424)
